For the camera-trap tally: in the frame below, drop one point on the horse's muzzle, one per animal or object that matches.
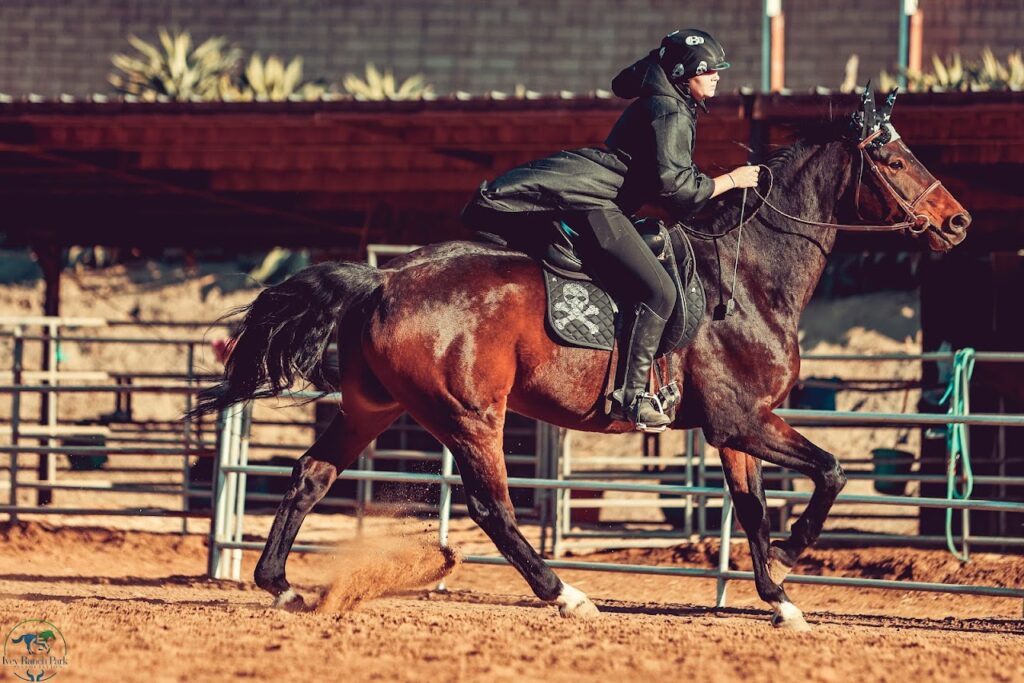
(959, 221)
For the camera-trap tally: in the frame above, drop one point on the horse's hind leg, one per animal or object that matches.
(743, 473)
(475, 440)
(336, 449)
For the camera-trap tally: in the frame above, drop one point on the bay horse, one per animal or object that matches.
(454, 334)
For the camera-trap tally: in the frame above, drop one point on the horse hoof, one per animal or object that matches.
(290, 601)
(574, 604)
(584, 610)
(788, 617)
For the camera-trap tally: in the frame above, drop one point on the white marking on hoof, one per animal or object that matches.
(777, 571)
(788, 616)
(574, 604)
(289, 600)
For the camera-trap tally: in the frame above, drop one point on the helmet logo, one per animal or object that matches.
(694, 40)
(702, 67)
(678, 70)
(661, 53)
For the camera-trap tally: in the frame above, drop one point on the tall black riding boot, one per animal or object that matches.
(634, 402)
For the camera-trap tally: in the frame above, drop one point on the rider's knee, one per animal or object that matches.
(663, 299)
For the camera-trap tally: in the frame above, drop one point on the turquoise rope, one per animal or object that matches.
(567, 230)
(957, 444)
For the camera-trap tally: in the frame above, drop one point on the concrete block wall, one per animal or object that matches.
(968, 26)
(64, 46)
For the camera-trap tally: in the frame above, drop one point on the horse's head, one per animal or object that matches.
(897, 187)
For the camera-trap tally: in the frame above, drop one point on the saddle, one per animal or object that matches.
(580, 312)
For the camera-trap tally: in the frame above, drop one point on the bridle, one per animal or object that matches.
(915, 222)
(918, 222)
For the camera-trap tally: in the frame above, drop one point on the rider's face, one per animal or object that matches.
(703, 86)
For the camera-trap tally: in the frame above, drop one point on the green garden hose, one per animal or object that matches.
(957, 444)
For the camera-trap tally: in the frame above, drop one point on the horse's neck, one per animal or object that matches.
(785, 258)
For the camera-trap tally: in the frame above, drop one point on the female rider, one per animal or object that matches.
(648, 158)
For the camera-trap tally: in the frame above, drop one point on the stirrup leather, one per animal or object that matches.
(670, 396)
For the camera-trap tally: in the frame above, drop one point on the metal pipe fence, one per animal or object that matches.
(553, 475)
(147, 438)
(81, 440)
(695, 516)
(230, 531)
(182, 439)
(559, 482)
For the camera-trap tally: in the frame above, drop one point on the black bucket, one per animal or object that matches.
(888, 462)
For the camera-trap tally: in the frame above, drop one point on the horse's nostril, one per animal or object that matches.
(960, 221)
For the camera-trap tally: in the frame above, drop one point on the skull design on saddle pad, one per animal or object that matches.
(576, 306)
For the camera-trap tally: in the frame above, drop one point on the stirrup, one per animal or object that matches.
(656, 403)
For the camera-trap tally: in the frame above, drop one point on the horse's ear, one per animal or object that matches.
(886, 112)
(867, 110)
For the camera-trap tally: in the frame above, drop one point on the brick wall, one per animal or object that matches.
(967, 26)
(819, 42)
(55, 46)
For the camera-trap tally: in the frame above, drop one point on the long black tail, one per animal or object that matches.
(286, 331)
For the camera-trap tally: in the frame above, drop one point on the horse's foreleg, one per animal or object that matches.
(337, 448)
(775, 441)
(743, 473)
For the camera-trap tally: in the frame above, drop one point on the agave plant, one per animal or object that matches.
(951, 76)
(1015, 64)
(270, 81)
(382, 86)
(954, 74)
(991, 74)
(177, 72)
(886, 82)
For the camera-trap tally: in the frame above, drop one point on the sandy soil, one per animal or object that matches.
(138, 602)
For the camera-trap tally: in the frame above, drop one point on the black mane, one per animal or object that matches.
(722, 213)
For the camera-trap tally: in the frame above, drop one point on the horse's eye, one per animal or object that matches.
(896, 165)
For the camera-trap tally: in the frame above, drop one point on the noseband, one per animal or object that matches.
(917, 222)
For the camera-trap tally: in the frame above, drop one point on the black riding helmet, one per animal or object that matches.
(688, 53)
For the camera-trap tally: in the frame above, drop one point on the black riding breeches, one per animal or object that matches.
(615, 251)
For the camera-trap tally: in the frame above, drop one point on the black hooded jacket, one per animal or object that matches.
(648, 159)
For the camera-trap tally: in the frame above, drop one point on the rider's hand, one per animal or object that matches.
(745, 176)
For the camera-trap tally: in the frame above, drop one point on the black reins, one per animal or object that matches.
(916, 223)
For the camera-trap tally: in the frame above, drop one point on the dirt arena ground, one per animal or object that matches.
(135, 605)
